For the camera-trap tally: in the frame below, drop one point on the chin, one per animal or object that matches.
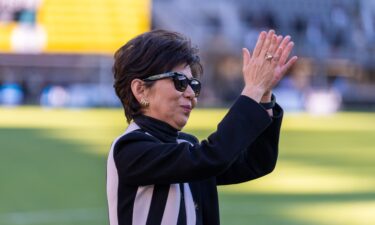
(181, 124)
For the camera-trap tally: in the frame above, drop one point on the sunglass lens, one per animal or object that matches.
(196, 86)
(181, 83)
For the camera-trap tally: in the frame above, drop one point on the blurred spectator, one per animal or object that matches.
(54, 96)
(289, 95)
(270, 20)
(321, 102)
(299, 24)
(79, 96)
(339, 27)
(316, 39)
(228, 77)
(11, 94)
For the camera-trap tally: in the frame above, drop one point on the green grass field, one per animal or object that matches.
(53, 163)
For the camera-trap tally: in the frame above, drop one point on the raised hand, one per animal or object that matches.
(268, 64)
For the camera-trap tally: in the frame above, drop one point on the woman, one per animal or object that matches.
(159, 175)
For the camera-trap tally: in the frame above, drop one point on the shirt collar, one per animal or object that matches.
(157, 128)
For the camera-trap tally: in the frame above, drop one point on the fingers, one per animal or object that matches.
(267, 43)
(277, 56)
(289, 64)
(246, 56)
(274, 44)
(285, 41)
(278, 40)
(259, 44)
(277, 46)
(284, 56)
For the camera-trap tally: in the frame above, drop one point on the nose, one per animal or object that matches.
(189, 93)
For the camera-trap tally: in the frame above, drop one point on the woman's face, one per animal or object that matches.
(168, 104)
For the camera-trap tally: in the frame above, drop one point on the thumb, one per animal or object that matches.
(246, 56)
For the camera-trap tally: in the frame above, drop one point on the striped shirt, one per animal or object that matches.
(158, 175)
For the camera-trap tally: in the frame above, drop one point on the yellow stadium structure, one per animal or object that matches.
(5, 34)
(86, 26)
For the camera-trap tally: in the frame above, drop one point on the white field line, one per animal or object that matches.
(54, 216)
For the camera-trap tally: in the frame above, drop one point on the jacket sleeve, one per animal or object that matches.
(142, 160)
(260, 157)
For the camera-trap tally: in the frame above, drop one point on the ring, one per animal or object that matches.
(268, 56)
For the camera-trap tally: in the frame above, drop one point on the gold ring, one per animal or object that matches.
(268, 56)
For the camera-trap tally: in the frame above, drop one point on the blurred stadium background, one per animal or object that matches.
(59, 52)
(58, 112)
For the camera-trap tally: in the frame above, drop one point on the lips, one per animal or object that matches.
(187, 108)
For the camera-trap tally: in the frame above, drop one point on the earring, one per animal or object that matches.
(144, 102)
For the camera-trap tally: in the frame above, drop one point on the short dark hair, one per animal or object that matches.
(150, 53)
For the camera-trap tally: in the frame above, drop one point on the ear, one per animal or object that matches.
(138, 88)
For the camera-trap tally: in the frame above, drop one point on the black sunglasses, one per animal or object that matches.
(180, 81)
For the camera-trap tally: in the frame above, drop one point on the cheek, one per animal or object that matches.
(173, 101)
(167, 101)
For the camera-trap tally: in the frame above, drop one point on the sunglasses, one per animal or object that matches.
(180, 81)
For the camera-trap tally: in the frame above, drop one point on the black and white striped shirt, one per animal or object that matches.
(157, 175)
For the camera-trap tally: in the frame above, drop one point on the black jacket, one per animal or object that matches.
(152, 164)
